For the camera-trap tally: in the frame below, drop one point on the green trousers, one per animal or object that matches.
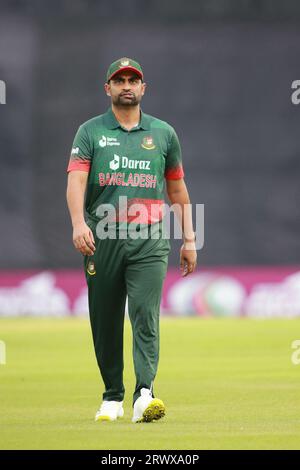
(121, 268)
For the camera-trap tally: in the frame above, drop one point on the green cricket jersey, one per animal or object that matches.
(126, 163)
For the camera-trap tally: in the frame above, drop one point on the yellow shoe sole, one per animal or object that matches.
(154, 411)
(104, 418)
(107, 418)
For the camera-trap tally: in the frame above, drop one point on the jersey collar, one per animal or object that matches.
(112, 123)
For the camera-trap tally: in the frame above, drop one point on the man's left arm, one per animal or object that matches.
(178, 195)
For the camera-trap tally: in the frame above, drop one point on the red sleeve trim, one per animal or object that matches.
(77, 165)
(174, 173)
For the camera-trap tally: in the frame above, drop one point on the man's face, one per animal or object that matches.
(125, 89)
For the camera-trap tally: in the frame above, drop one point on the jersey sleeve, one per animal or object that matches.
(81, 153)
(174, 168)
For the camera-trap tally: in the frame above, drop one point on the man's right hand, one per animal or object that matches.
(83, 239)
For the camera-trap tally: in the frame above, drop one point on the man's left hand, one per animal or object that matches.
(188, 258)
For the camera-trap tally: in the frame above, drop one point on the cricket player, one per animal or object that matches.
(127, 155)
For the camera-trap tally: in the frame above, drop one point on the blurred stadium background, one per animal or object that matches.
(220, 72)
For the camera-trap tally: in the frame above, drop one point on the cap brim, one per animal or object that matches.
(127, 67)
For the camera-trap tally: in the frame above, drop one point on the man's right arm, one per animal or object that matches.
(83, 238)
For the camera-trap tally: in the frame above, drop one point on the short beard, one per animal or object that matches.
(120, 101)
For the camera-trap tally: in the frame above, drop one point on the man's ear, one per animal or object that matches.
(107, 89)
(144, 88)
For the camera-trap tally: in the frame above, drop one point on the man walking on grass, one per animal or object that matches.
(121, 160)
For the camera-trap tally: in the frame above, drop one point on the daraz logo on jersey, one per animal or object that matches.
(124, 162)
(115, 163)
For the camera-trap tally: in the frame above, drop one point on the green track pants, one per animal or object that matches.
(120, 268)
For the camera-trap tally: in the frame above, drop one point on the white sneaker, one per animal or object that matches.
(146, 408)
(110, 411)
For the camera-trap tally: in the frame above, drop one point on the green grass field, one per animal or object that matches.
(227, 384)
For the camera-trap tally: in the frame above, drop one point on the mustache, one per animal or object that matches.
(127, 93)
